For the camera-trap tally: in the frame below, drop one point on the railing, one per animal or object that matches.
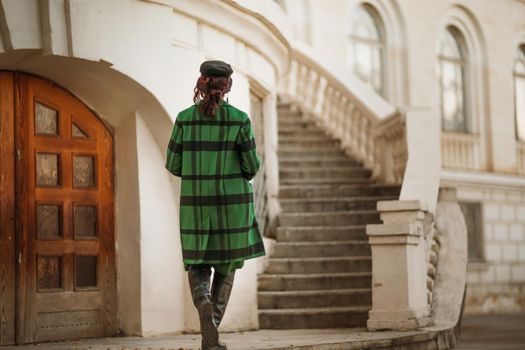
(391, 148)
(327, 100)
(520, 155)
(460, 150)
(400, 147)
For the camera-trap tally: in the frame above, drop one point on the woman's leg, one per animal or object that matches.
(221, 288)
(199, 279)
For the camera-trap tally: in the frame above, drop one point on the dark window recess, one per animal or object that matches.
(85, 271)
(49, 272)
(472, 213)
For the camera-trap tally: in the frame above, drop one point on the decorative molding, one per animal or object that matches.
(483, 179)
(477, 99)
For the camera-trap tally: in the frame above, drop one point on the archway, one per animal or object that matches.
(130, 112)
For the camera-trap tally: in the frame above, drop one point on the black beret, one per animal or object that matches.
(216, 69)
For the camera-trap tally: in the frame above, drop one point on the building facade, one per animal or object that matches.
(89, 90)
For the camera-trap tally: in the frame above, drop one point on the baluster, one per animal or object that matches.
(347, 122)
(320, 95)
(354, 129)
(339, 117)
(334, 114)
(292, 86)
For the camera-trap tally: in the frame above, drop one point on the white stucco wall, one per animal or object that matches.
(161, 271)
(496, 27)
(127, 228)
(135, 64)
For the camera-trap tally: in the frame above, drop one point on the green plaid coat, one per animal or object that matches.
(216, 158)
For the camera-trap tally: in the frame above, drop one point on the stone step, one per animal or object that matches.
(314, 298)
(289, 151)
(318, 265)
(327, 317)
(292, 119)
(317, 190)
(321, 233)
(298, 129)
(301, 138)
(306, 147)
(331, 203)
(335, 161)
(286, 112)
(312, 181)
(314, 281)
(307, 143)
(323, 173)
(321, 249)
(334, 218)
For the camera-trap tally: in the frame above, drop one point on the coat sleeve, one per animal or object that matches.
(245, 143)
(174, 151)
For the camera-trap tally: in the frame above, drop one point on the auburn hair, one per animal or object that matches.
(209, 92)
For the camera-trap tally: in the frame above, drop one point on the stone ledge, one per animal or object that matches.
(393, 229)
(297, 339)
(401, 205)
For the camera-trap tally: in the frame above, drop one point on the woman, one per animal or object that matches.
(212, 149)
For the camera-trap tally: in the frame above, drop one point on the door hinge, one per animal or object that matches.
(18, 154)
(19, 257)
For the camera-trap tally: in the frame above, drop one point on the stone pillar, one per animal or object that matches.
(399, 269)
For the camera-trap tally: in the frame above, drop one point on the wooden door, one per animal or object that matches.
(7, 211)
(65, 213)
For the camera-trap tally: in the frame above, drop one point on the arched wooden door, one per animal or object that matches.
(64, 215)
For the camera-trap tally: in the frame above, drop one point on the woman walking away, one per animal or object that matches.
(212, 149)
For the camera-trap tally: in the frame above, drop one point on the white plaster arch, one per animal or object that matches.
(120, 102)
(396, 57)
(465, 22)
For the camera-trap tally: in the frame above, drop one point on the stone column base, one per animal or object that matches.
(398, 319)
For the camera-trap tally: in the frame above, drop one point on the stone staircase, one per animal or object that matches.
(319, 275)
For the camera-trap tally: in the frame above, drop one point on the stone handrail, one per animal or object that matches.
(460, 150)
(349, 113)
(400, 146)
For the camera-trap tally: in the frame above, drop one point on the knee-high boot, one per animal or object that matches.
(199, 279)
(220, 294)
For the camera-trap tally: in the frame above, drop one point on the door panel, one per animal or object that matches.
(64, 195)
(7, 211)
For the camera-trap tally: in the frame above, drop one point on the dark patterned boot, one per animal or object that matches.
(199, 279)
(220, 295)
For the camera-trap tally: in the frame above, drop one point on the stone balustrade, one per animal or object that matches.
(401, 146)
(460, 150)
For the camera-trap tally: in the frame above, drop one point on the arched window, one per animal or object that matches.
(519, 92)
(367, 48)
(452, 74)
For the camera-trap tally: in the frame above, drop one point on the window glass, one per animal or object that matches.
(452, 80)
(367, 47)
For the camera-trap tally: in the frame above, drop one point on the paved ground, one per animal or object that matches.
(303, 339)
(491, 332)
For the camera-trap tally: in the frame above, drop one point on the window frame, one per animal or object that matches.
(464, 63)
(515, 77)
(381, 45)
